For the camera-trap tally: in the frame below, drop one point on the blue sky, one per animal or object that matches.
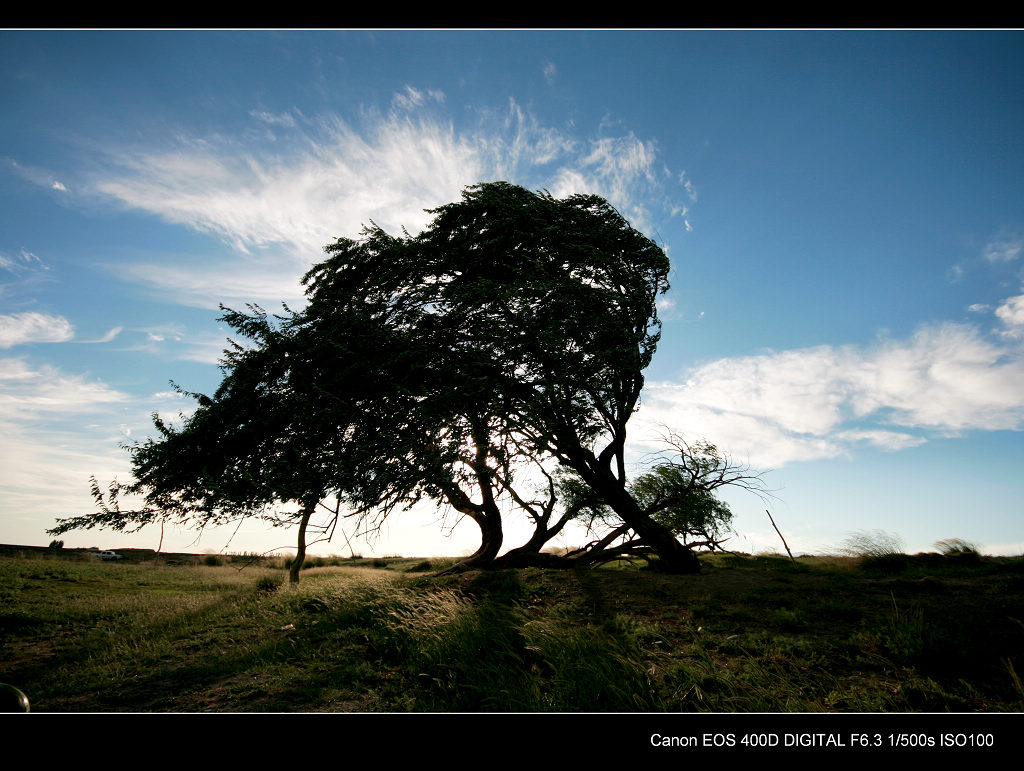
(844, 212)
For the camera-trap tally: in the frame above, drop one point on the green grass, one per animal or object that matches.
(749, 634)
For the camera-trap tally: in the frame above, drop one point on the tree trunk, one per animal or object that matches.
(491, 538)
(541, 535)
(300, 556)
(673, 557)
(486, 513)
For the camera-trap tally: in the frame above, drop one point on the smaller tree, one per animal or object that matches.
(691, 512)
(679, 491)
(255, 449)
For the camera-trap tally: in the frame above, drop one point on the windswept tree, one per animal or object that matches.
(508, 337)
(547, 310)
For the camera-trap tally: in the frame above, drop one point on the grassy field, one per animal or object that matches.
(927, 633)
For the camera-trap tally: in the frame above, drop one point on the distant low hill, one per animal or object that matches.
(131, 555)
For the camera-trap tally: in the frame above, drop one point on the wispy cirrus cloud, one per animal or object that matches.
(409, 98)
(277, 212)
(22, 270)
(823, 402)
(276, 207)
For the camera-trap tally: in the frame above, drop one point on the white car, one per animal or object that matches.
(110, 555)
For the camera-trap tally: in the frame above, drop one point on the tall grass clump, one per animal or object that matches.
(584, 667)
(876, 550)
(465, 657)
(906, 635)
(961, 551)
(487, 655)
(952, 546)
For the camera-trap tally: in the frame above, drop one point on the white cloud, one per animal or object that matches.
(946, 377)
(20, 328)
(621, 161)
(513, 144)
(1011, 313)
(174, 341)
(163, 332)
(47, 472)
(820, 402)
(31, 394)
(332, 185)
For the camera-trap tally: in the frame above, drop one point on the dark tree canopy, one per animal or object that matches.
(510, 335)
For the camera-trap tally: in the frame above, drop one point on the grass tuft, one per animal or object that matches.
(872, 544)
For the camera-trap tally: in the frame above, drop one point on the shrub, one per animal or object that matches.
(268, 584)
(211, 560)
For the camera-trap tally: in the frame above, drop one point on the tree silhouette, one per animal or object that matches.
(541, 315)
(507, 338)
